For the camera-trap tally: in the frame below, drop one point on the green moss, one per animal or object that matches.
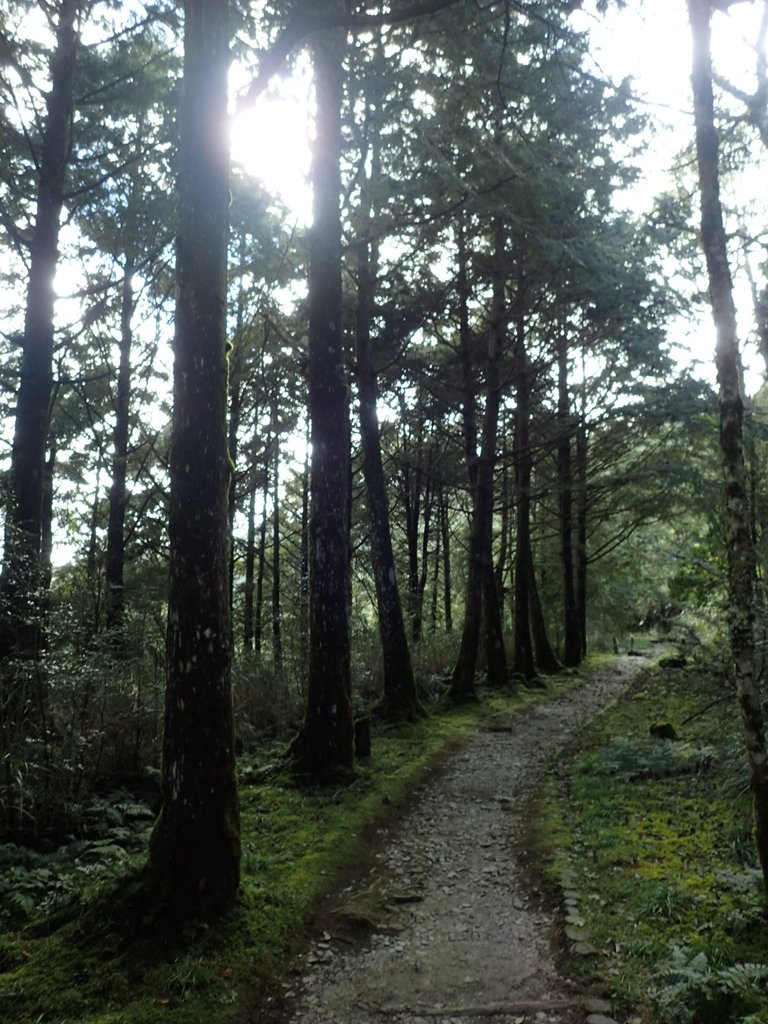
(652, 840)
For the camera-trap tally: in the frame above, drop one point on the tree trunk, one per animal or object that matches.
(258, 631)
(572, 652)
(582, 510)
(118, 495)
(399, 699)
(20, 584)
(46, 546)
(195, 845)
(277, 616)
(445, 534)
(544, 656)
(481, 581)
(741, 553)
(250, 564)
(325, 740)
(304, 564)
(523, 657)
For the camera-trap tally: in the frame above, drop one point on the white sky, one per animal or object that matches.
(650, 41)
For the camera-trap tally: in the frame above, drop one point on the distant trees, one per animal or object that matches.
(465, 270)
(21, 580)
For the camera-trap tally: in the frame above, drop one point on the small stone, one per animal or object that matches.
(599, 1018)
(585, 949)
(577, 935)
(594, 1005)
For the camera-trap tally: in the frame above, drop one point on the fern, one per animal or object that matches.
(629, 758)
(690, 990)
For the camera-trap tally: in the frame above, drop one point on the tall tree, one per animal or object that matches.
(195, 846)
(399, 698)
(20, 583)
(741, 554)
(325, 740)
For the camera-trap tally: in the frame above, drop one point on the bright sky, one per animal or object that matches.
(650, 41)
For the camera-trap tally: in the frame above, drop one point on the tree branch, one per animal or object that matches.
(303, 24)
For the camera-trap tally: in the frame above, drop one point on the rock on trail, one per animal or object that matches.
(453, 932)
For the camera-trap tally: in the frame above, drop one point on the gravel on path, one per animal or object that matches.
(455, 930)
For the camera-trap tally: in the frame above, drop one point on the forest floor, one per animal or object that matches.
(451, 921)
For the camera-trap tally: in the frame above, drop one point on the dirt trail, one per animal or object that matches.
(454, 932)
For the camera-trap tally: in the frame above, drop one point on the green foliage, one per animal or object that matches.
(627, 758)
(109, 955)
(689, 989)
(39, 884)
(660, 843)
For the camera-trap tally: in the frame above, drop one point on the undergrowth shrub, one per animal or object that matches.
(113, 828)
(690, 989)
(628, 758)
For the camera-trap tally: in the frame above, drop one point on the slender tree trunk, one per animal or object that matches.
(258, 631)
(46, 547)
(410, 477)
(21, 609)
(91, 561)
(233, 440)
(524, 657)
(399, 699)
(118, 494)
(304, 564)
(435, 576)
(481, 582)
(325, 740)
(468, 384)
(250, 564)
(741, 554)
(572, 652)
(423, 561)
(277, 615)
(195, 845)
(582, 511)
(445, 534)
(544, 656)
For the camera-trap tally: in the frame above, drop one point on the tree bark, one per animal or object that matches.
(277, 617)
(582, 511)
(21, 632)
(481, 581)
(399, 699)
(325, 741)
(118, 494)
(741, 553)
(523, 645)
(195, 845)
(249, 586)
(572, 652)
(258, 631)
(445, 534)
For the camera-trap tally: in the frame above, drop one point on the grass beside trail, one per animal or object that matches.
(654, 840)
(95, 956)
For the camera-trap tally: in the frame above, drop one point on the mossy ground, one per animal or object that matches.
(656, 839)
(110, 959)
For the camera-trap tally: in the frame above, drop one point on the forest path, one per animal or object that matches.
(455, 930)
